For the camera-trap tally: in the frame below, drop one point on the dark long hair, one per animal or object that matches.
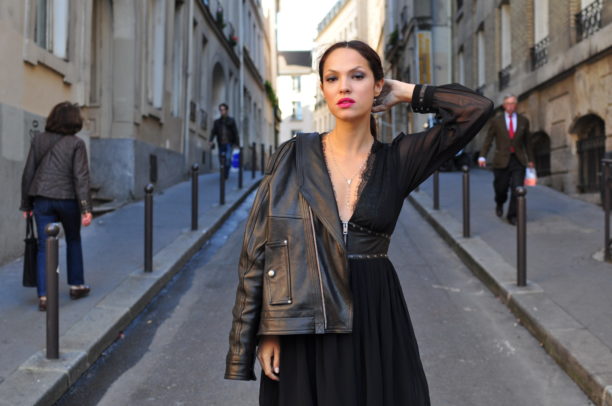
(65, 118)
(369, 54)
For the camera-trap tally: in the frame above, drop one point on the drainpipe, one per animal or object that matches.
(243, 129)
(188, 74)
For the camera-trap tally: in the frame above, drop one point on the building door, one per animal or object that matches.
(590, 148)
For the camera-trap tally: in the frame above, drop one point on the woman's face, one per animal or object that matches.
(348, 84)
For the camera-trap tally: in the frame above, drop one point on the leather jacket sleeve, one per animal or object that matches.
(80, 171)
(246, 313)
(460, 114)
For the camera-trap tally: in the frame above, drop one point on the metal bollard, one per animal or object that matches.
(263, 158)
(606, 184)
(253, 159)
(222, 181)
(148, 229)
(195, 168)
(52, 275)
(436, 190)
(240, 168)
(521, 236)
(466, 201)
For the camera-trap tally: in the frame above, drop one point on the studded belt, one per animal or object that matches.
(364, 256)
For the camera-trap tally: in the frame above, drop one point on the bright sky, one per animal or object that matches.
(297, 23)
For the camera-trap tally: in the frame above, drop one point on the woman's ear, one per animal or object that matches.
(378, 86)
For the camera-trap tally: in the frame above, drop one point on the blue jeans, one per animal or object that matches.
(68, 213)
(226, 149)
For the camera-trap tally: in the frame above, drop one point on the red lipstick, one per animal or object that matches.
(345, 102)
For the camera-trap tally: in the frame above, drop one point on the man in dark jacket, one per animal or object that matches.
(224, 128)
(513, 152)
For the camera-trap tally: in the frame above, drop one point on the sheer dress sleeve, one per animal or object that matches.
(460, 114)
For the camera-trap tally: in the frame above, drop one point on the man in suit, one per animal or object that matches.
(224, 128)
(513, 152)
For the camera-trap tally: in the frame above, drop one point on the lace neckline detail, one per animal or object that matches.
(361, 179)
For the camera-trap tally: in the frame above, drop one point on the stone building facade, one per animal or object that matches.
(417, 50)
(296, 85)
(556, 56)
(149, 76)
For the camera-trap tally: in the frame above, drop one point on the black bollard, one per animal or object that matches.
(436, 190)
(222, 181)
(195, 168)
(148, 229)
(466, 201)
(240, 169)
(606, 184)
(521, 236)
(253, 159)
(52, 275)
(263, 158)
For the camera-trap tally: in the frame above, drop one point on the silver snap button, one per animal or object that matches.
(285, 241)
(271, 273)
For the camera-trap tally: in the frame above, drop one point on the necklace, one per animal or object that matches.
(348, 181)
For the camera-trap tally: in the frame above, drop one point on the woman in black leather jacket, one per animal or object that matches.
(55, 187)
(317, 294)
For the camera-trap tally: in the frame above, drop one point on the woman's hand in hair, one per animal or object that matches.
(392, 93)
(268, 354)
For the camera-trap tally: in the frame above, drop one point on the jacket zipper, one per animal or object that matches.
(314, 240)
(345, 232)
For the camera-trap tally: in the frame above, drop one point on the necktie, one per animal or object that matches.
(511, 131)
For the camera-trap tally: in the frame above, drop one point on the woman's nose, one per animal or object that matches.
(344, 87)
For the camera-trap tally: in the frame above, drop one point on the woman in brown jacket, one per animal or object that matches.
(55, 187)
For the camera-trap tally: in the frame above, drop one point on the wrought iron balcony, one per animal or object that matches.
(539, 53)
(588, 20)
(504, 77)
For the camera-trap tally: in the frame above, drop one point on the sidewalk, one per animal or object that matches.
(567, 304)
(113, 247)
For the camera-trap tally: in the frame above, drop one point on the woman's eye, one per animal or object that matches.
(358, 76)
(331, 78)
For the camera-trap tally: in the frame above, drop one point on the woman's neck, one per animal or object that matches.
(351, 138)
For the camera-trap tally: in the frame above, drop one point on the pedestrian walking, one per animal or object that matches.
(55, 187)
(513, 152)
(226, 132)
(318, 301)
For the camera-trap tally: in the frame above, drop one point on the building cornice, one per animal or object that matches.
(219, 33)
(248, 62)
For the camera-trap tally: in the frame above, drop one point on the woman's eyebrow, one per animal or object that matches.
(350, 70)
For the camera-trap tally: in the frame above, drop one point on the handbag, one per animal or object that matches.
(531, 177)
(29, 257)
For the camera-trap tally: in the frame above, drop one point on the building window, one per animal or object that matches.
(296, 83)
(297, 110)
(506, 37)
(480, 43)
(157, 52)
(177, 63)
(51, 26)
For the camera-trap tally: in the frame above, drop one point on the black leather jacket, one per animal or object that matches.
(56, 168)
(293, 267)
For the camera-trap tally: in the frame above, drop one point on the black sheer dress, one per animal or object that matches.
(378, 364)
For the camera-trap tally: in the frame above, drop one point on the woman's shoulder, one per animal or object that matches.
(281, 153)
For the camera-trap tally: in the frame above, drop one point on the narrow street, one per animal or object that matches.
(474, 351)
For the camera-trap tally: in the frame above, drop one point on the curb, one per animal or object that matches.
(40, 382)
(579, 353)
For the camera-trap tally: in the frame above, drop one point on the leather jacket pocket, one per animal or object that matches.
(277, 276)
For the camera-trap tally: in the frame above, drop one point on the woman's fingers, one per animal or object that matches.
(269, 356)
(276, 359)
